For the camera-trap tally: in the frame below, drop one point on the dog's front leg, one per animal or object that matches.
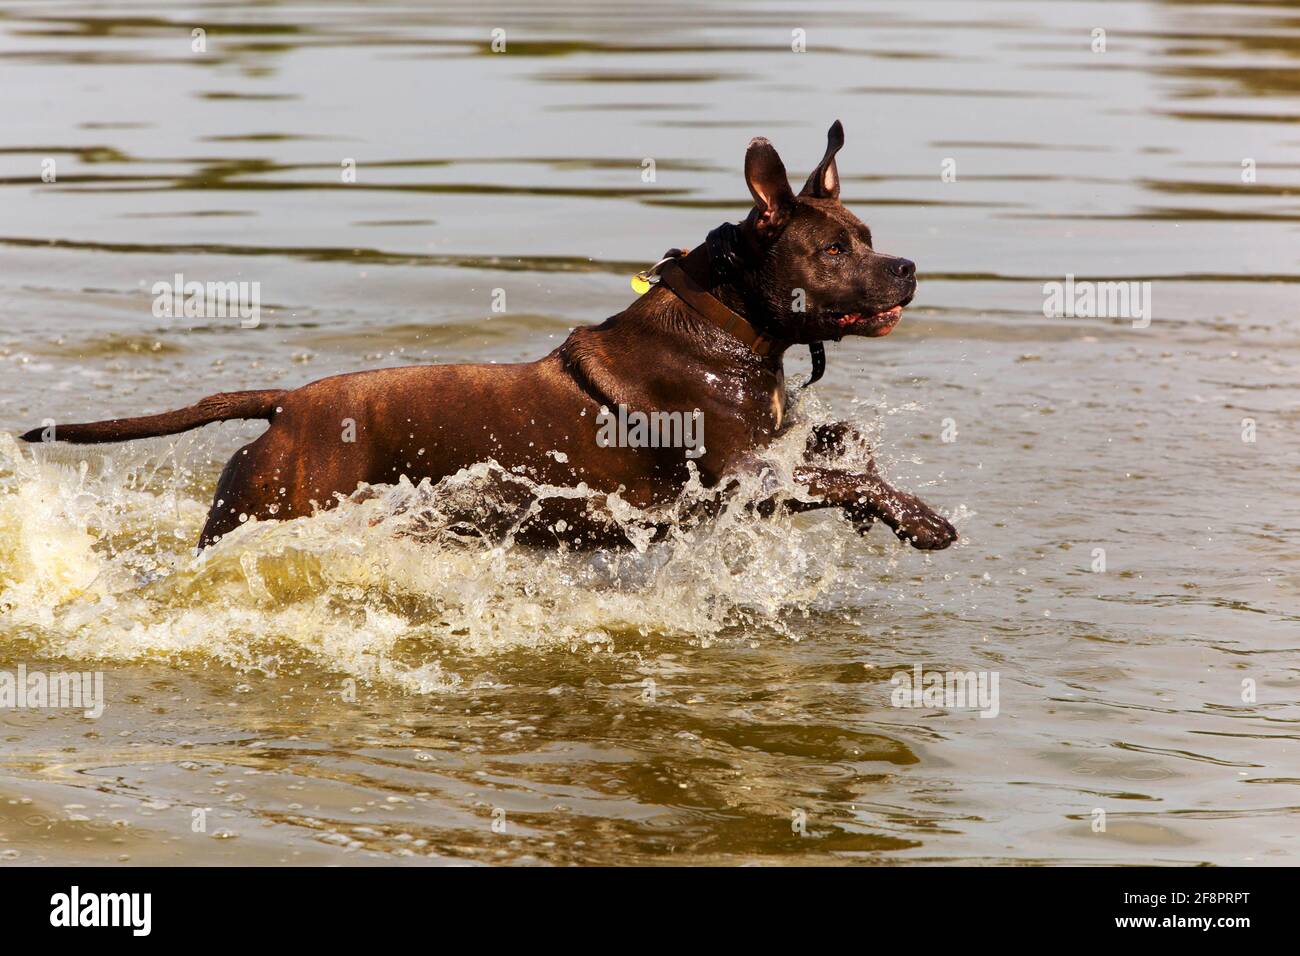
(831, 441)
(866, 496)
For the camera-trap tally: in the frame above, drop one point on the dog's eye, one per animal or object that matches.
(834, 249)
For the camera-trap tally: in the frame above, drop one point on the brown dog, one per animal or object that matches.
(706, 344)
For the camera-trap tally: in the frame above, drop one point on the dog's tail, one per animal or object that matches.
(223, 407)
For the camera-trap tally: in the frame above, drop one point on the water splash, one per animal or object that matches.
(96, 562)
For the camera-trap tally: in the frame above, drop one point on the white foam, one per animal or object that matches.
(98, 563)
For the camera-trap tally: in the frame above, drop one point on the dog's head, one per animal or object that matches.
(813, 263)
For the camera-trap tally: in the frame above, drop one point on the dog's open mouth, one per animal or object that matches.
(874, 324)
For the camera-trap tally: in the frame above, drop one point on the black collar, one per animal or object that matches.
(723, 246)
(708, 306)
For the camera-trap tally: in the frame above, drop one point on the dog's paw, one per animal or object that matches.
(926, 530)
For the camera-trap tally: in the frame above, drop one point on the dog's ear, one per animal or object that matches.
(824, 183)
(769, 185)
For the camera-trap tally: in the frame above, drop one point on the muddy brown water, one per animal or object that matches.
(326, 691)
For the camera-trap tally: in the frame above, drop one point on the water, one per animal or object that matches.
(335, 691)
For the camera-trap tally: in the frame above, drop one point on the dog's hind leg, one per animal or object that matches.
(249, 487)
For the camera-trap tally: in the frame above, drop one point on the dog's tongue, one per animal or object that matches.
(854, 317)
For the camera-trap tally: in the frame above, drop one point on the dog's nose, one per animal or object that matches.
(903, 268)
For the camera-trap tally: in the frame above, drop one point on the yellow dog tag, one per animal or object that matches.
(641, 281)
